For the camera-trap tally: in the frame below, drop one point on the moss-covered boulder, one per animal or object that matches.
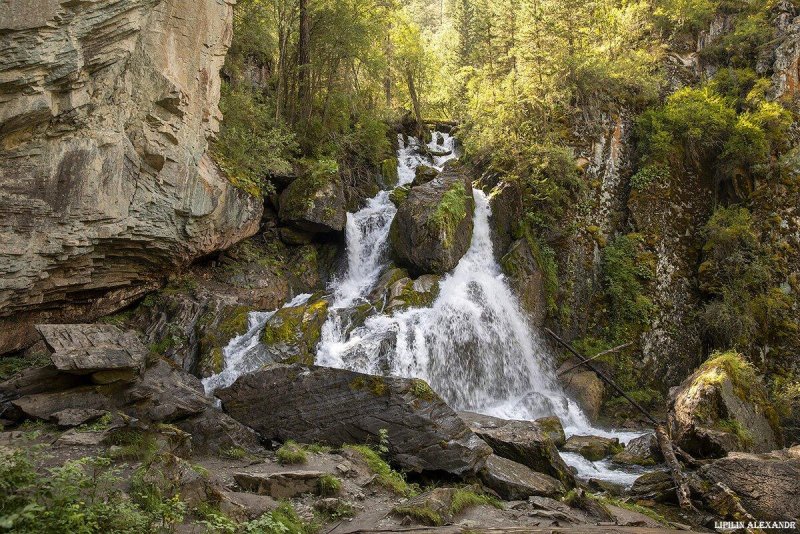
(433, 226)
(643, 450)
(315, 202)
(292, 334)
(398, 195)
(423, 175)
(723, 407)
(407, 293)
(388, 172)
(593, 448)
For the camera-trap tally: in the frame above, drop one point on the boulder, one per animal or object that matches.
(655, 486)
(526, 279)
(593, 448)
(554, 429)
(423, 175)
(513, 481)
(585, 387)
(722, 407)
(291, 335)
(214, 432)
(70, 417)
(282, 485)
(46, 405)
(643, 450)
(164, 394)
(407, 293)
(433, 226)
(91, 348)
(314, 203)
(313, 404)
(524, 442)
(398, 195)
(111, 106)
(767, 485)
(436, 506)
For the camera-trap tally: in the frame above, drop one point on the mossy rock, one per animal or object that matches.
(433, 227)
(291, 335)
(388, 170)
(423, 175)
(314, 203)
(723, 407)
(216, 330)
(399, 194)
(407, 293)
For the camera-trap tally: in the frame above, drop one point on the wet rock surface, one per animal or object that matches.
(335, 406)
(592, 448)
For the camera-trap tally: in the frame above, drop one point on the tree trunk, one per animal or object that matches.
(304, 63)
(681, 487)
(412, 90)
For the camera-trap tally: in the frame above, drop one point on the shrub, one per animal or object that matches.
(329, 485)
(387, 477)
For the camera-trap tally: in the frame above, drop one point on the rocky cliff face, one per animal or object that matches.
(106, 110)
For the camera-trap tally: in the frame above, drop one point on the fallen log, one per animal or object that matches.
(681, 486)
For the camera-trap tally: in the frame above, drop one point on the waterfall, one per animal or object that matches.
(473, 344)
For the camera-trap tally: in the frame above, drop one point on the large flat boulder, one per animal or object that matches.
(767, 486)
(723, 407)
(433, 226)
(524, 442)
(514, 481)
(314, 404)
(94, 348)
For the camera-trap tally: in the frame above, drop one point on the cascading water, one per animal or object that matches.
(473, 345)
(244, 353)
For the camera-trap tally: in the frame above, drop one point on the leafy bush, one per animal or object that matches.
(81, 496)
(251, 144)
(624, 275)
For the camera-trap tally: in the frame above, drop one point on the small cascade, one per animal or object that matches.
(244, 353)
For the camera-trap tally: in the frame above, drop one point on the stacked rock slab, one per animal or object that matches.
(106, 110)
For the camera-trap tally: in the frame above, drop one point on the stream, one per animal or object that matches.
(473, 345)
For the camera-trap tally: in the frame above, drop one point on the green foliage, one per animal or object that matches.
(625, 273)
(133, 444)
(329, 485)
(387, 477)
(251, 145)
(81, 496)
(282, 520)
(234, 453)
(648, 175)
(465, 498)
(421, 512)
(746, 306)
(11, 365)
(291, 453)
(214, 520)
(450, 212)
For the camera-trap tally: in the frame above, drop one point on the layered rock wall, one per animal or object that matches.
(106, 110)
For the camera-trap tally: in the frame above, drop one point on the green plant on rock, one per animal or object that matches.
(451, 210)
(290, 453)
(282, 520)
(386, 476)
(329, 485)
(465, 498)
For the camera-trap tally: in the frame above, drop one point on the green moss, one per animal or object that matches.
(633, 507)
(301, 195)
(375, 384)
(421, 390)
(290, 453)
(421, 512)
(386, 476)
(465, 498)
(731, 426)
(11, 365)
(399, 195)
(329, 485)
(451, 210)
(388, 170)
